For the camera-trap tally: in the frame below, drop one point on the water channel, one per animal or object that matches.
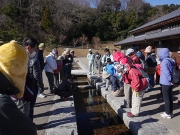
(94, 115)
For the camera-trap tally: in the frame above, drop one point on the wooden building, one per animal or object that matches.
(160, 33)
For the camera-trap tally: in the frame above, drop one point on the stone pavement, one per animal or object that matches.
(150, 122)
(53, 116)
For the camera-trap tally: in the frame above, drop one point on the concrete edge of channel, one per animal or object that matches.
(142, 125)
(61, 112)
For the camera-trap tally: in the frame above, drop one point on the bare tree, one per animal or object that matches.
(96, 41)
(62, 37)
(83, 40)
(74, 42)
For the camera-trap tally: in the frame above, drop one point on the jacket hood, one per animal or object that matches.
(163, 53)
(118, 56)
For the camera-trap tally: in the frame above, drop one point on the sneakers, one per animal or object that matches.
(41, 95)
(64, 99)
(129, 114)
(169, 116)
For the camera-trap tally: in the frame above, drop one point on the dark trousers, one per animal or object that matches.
(32, 103)
(50, 78)
(151, 77)
(56, 79)
(167, 96)
(65, 93)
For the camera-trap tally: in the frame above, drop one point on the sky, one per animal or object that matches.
(162, 2)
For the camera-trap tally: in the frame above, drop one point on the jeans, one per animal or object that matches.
(50, 78)
(151, 77)
(32, 103)
(167, 96)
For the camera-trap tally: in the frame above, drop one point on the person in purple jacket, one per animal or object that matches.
(167, 64)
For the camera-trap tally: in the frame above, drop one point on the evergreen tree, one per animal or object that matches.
(46, 21)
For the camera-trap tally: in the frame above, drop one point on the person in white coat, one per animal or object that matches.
(90, 57)
(50, 66)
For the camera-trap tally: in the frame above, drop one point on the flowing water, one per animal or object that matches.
(93, 113)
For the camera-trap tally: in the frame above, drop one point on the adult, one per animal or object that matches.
(98, 63)
(70, 60)
(13, 70)
(49, 68)
(138, 85)
(65, 90)
(90, 57)
(130, 53)
(34, 76)
(116, 85)
(106, 56)
(130, 58)
(72, 54)
(166, 81)
(41, 61)
(141, 56)
(63, 72)
(150, 59)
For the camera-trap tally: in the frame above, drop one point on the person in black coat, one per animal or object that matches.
(65, 89)
(12, 82)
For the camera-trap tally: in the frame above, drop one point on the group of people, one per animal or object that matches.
(21, 68)
(131, 74)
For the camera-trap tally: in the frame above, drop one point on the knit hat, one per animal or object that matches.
(13, 41)
(148, 49)
(41, 45)
(13, 65)
(129, 51)
(105, 75)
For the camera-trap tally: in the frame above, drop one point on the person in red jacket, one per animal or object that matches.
(138, 85)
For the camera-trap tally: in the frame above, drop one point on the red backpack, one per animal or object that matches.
(59, 66)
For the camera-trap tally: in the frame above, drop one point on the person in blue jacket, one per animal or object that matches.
(166, 69)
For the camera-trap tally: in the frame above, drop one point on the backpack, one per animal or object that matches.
(175, 74)
(144, 64)
(145, 75)
(59, 64)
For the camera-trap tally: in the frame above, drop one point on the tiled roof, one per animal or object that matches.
(161, 19)
(161, 34)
